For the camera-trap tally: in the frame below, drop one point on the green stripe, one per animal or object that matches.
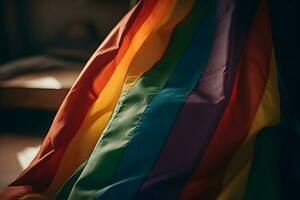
(264, 178)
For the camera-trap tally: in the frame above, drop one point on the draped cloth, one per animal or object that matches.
(184, 99)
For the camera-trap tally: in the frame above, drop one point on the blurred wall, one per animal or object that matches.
(30, 26)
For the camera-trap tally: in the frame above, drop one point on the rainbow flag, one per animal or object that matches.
(183, 100)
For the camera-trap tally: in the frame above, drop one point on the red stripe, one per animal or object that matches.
(249, 87)
(37, 177)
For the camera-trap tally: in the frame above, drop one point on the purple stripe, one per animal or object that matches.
(204, 107)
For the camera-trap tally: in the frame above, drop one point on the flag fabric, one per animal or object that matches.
(184, 99)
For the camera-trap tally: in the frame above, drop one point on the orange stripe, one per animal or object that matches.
(41, 171)
(145, 42)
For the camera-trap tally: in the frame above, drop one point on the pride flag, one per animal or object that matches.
(183, 100)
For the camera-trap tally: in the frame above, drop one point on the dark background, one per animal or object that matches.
(35, 26)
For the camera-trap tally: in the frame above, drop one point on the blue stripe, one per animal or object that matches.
(153, 128)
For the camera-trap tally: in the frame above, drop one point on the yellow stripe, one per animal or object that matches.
(146, 48)
(268, 114)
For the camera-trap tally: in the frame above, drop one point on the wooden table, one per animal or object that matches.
(39, 90)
